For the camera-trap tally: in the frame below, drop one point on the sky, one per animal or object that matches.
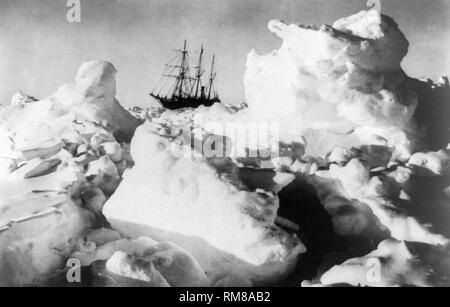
(40, 50)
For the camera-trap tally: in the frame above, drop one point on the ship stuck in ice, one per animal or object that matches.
(181, 84)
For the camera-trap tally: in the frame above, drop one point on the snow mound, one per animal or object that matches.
(135, 269)
(39, 236)
(382, 194)
(434, 163)
(339, 84)
(61, 159)
(392, 264)
(179, 198)
(140, 262)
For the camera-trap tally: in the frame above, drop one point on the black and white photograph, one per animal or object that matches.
(224, 144)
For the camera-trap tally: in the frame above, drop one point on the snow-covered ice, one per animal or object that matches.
(61, 158)
(339, 85)
(355, 190)
(184, 200)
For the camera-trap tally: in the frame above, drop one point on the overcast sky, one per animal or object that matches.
(40, 50)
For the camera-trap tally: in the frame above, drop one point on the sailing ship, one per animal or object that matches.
(181, 85)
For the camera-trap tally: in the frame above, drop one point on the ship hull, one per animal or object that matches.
(175, 104)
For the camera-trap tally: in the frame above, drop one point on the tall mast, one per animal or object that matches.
(211, 78)
(199, 72)
(182, 75)
(183, 68)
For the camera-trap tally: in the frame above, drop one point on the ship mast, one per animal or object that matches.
(198, 82)
(211, 77)
(181, 78)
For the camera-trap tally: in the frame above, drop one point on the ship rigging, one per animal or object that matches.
(181, 85)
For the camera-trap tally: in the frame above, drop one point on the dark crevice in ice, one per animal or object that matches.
(300, 204)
